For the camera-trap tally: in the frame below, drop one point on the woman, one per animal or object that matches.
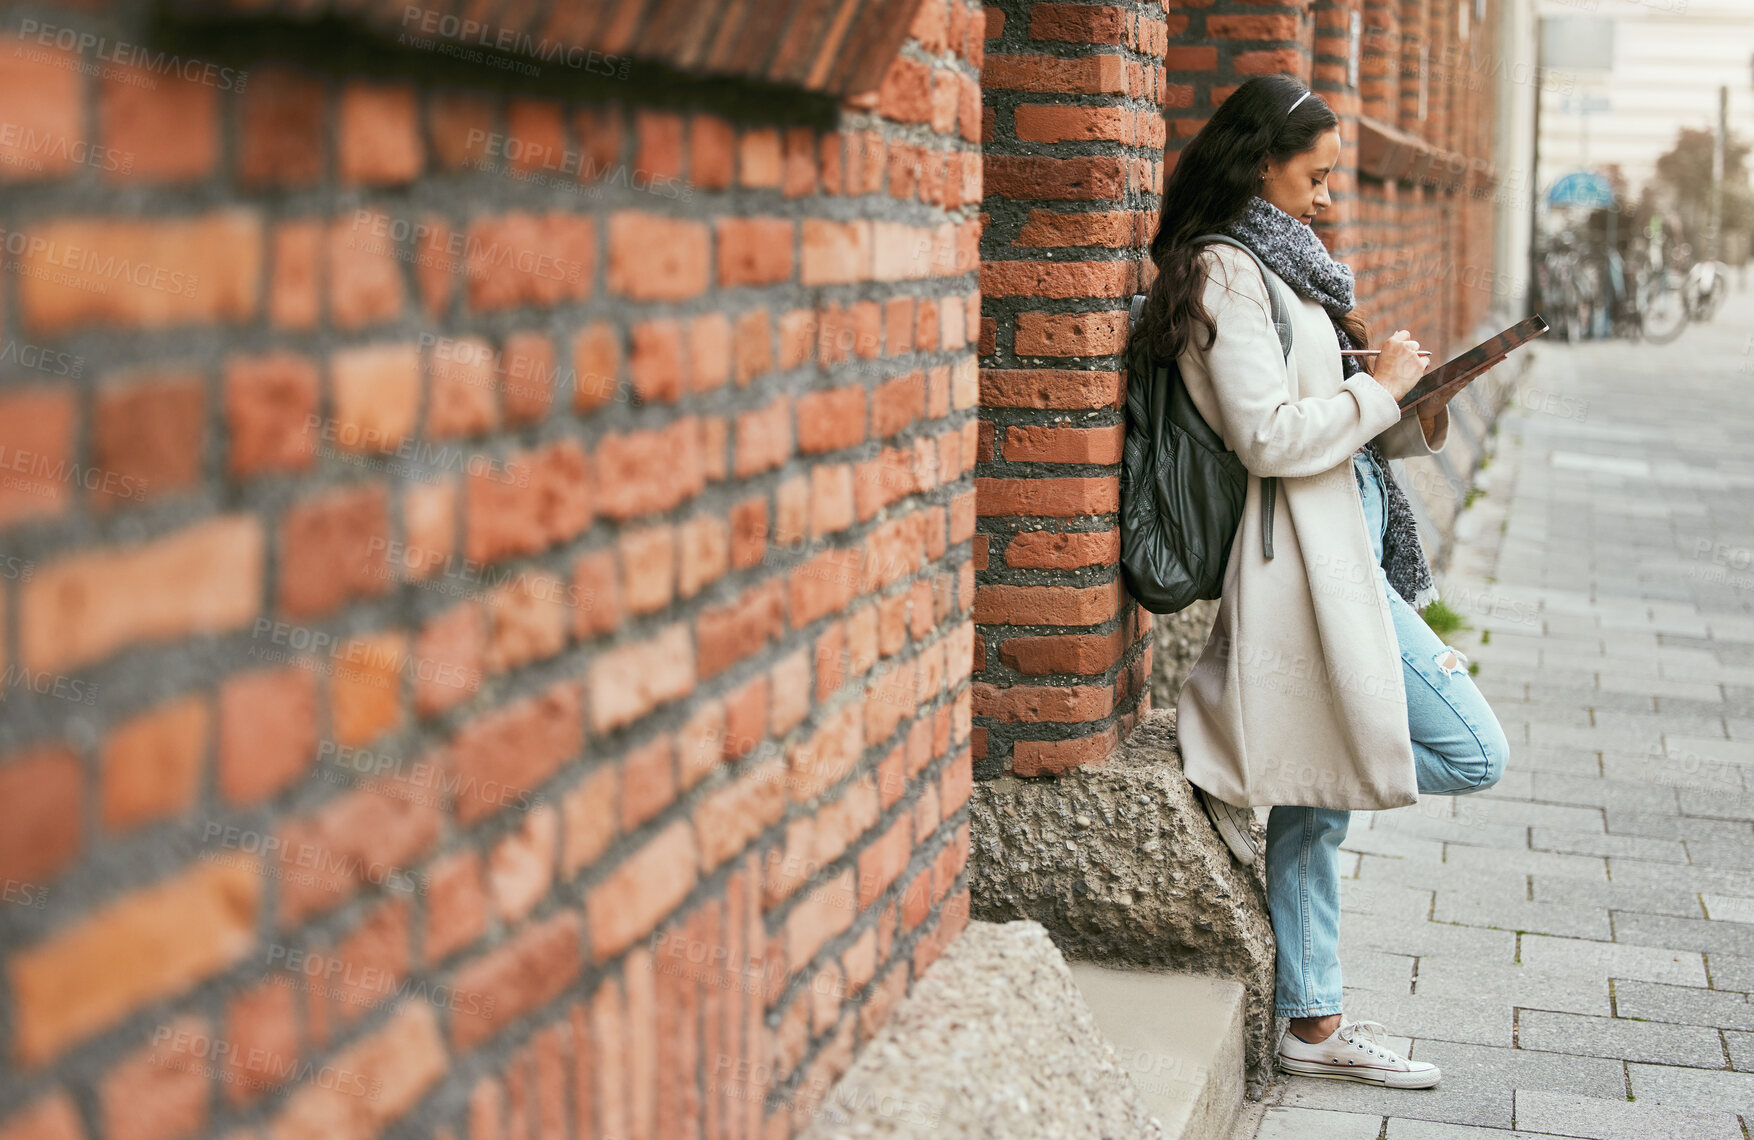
(1320, 690)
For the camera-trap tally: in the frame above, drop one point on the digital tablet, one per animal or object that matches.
(1457, 373)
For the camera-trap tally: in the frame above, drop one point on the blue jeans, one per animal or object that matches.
(1458, 747)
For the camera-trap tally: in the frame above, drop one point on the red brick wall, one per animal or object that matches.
(1073, 141)
(485, 582)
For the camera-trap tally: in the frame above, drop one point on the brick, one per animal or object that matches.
(835, 253)
(152, 763)
(460, 380)
(1050, 550)
(263, 1024)
(641, 890)
(41, 89)
(267, 732)
(294, 296)
(450, 650)
(712, 152)
(458, 125)
(654, 361)
(332, 551)
(281, 135)
(1081, 75)
(825, 911)
(1047, 605)
(1062, 279)
(504, 757)
(519, 259)
(154, 1094)
(704, 544)
(520, 868)
(905, 95)
(648, 472)
(365, 690)
(1063, 445)
(728, 634)
(596, 352)
(148, 437)
(399, 1062)
(142, 274)
(1073, 124)
(170, 936)
(36, 441)
(166, 125)
(529, 620)
(626, 682)
(1018, 177)
(759, 158)
(1071, 334)
(588, 820)
(648, 781)
(526, 376)
(896, 404)
(365, 278)
(206, 578)
(764, 438)
(535, 500)
(709, 352)
(1050, 388)
(1078, 23)
(378, 135)
(755, 251)
(456, 905)
(270, 403)
(535, 136)
(1252, 27)
(1113, 229)
(41, 793)
(654, 258)
(371, 835)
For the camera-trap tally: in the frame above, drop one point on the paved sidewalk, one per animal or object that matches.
(1575, 948)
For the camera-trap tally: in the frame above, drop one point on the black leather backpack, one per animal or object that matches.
(1182, 490)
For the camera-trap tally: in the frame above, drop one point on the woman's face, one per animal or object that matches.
(1299, 185)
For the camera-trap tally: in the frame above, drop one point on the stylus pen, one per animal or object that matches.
(1372, 352)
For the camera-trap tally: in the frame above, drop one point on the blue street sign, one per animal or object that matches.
(1582, 188)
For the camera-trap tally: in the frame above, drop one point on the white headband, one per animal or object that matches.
(1300, 99)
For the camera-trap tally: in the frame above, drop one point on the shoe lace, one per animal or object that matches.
(1376, 1031)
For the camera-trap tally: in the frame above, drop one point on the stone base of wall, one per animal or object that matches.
(995, 1040)
(1122, 867)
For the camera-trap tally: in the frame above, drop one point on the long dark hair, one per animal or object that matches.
(1218, 171)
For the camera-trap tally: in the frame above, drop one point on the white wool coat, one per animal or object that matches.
(1297, 697)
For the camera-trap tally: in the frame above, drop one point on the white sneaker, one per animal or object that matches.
(1355, 1052)
(1233, 826)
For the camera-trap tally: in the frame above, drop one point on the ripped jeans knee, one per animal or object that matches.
(1450, 660)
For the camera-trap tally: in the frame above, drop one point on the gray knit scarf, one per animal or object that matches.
(1293, 251)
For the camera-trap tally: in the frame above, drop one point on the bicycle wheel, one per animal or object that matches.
(1665, 310)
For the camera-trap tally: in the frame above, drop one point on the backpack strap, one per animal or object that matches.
(1281, 315)
(1281, 325)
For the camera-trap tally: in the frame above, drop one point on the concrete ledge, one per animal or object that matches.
(1179, 1036)
(1122, 867)
(995, 1040)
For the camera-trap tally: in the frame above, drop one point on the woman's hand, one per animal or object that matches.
(1399, 366)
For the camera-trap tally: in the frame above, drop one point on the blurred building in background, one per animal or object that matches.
(521, 525)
